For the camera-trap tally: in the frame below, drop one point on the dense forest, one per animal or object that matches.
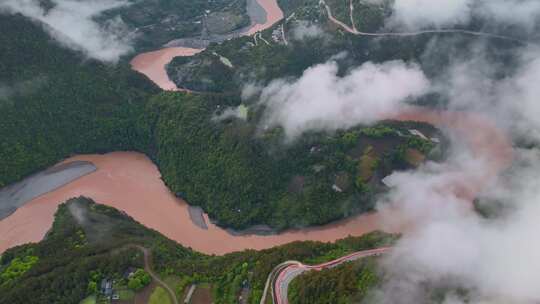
(252, 60)
(89, 242)
(153, 23)
(60, 103)
(363, 281)
(76, 253)
(368, 16)
(158, 22)
(242, 178)
(347, 283)
(56, 102)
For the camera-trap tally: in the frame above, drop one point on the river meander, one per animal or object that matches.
(130, 182)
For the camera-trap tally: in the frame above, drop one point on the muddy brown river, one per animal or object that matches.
(152, 64)
(130, 182)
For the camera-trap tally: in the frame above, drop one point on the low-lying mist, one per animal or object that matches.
(72, 23)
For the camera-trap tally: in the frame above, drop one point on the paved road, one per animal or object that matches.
(283, 274)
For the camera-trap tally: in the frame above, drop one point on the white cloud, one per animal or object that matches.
(473, 82)
(496, 259)
(322, 100)
(448, 245)
(524, 13)
(417, 14)
(520, 96)
(422, 13)
(71, 22)
(306, 30)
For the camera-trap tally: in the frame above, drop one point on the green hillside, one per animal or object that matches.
(157, 22)
(100, 243)
(60, 104)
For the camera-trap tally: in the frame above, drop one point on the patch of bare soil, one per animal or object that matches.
(144, 296)
(202, 295)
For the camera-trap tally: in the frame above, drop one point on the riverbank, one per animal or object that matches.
(130, 182)
(263, 13)
(14, 196)
(153, 65)
(30, 223)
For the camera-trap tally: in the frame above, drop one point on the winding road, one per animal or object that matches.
(155, 277)
(283, 274)
(482, 135)
(488, 142)
(129, 188)
(148, 268)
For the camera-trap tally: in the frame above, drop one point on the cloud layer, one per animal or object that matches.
(71, 22)
(416, 14)
(495, 259)
(322, 100)
(420, 13)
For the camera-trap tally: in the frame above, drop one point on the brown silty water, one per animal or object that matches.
(130, 182)
(152, 64)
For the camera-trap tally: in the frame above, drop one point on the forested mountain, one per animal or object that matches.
(347, 283)
(242, 178)
(56, 102)
(154, 23)
(290, 47)
(260, 148)
(60, 103)
(89, 242)
(307, 38)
